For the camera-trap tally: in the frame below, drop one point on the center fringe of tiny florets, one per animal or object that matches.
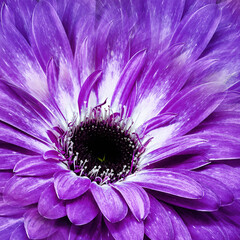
(103, 147)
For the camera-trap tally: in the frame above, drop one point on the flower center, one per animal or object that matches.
(103, 147)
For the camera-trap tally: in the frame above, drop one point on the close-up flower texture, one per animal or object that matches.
(120, 119)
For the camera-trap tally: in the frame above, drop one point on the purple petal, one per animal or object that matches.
(158, 222)
(128, 78)
(4, 177)
(9, 210)
(8, 225)
(38, 227)
(223, 193)
(196, 36)
(49, 206)
(19, 233)
(204, 100)
(179, 227)
(89, 231)
(111, 204)
(24, 191)
(13, 136)
(12, 159)
(128, 228)
(28, 166)
(209, 201)
(82, 210)
(136, 198)
(193, 5)
(203, 226)
(168, 182)
(177, 147)
(225, 174)
(87, 87)
(69, 186)
(50, 36)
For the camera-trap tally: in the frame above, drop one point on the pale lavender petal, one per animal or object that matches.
(27, 167)
(136, 198)
(24, 191)
(168, 182)
(68, 185)
(38, 227)
(128, 228)
(111, 203)
(158, 225)
(49, 206)
(82, 210)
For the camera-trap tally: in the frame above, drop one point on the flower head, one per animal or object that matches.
(119, 119)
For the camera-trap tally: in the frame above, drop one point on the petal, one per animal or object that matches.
(36, 166)
(128, 228)
(38, 227)
(158, 222)
(82, 210)
(49, 206)
(203, 227)
(89, 231)
(69, 186)
(136, 198)
(24, 191)
(19, 233)
(111, 204)
(204, 100)
(128, 78)
(196, 36)
(168, 182)
(8, 225)
(50, 36)
(4, 177)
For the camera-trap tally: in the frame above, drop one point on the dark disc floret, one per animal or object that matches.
(104, 149)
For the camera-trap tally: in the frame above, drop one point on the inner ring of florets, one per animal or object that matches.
(103, 147)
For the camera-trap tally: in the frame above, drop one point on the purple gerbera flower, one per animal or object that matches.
(119, 119)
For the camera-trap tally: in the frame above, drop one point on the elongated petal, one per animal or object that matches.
(49, 206)
(111, 204)
(158, 222)
(82, 210)
(19, 233)
(196, 36)
(136, 198)
(69, 186)
(168, 182)
(8, 225)
(128, 228)
(28, 166)
(38, 227)
(4, 177)
(24, 191)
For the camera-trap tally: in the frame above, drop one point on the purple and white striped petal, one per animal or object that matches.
(69, 186)
(136, 198)
(158, 225)
(49, 206)
(82, 210)
(128, 228)
(23, 191)
(168, 182)
(38, 227)
(19, 233)
(8, 225)
(110, 202)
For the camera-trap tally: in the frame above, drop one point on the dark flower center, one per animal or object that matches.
(104, 150)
